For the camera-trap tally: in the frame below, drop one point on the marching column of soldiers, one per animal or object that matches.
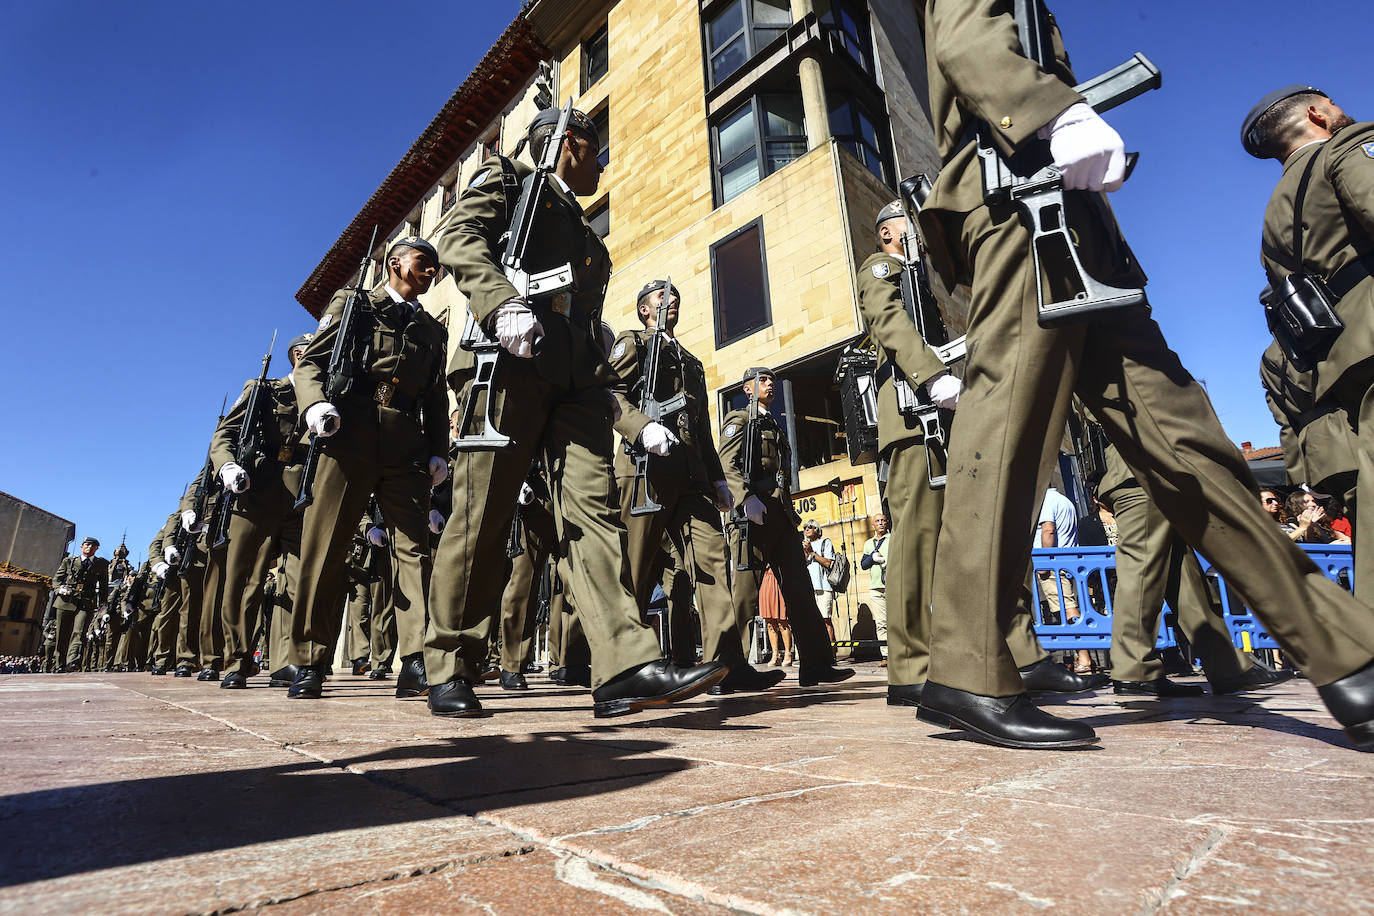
(342, 501)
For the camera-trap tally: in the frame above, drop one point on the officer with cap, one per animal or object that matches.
(387, 436)
(264, 520)
(1327, 189)
(763, 490)
(81, 582)
(550, 392)
(1021, 377)
(916, 507)
(686, 478)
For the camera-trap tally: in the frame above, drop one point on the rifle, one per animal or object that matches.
(1037, 188)
(249, 445)
(339, 374)
(514, 547)
(641, 502)
(185, 540)
(924, 311)
(744, 545)
(541, 285)
(374, 517)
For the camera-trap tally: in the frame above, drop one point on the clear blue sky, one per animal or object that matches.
(173, 172)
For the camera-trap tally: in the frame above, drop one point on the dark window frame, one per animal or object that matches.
(755, 223)
(844, 41)
(756, 102)
(749, 30)
(593, 213)
(882, 132)
(600, 115)
(586, 79)
(448, 195)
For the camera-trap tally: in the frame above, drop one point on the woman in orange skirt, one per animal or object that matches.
(774, 614)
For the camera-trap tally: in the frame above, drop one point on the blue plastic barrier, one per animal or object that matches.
(1087, 569)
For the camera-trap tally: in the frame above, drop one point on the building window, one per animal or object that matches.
(739, 31)
(739, 284)
(602, 120)
(449, 194)
(847, 23)
(491, 145)
(600, 218)
(754, 141)
(595, 60)
(19, 607)
(853, 129)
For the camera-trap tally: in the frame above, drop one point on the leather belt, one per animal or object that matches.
(1351, 275)
(388, 395)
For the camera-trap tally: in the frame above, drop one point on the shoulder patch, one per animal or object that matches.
(730, 429)
(1368, 150)
(618, 351)
(882, 269)
(324, 322)
(479, 178)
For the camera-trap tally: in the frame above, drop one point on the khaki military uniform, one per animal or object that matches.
(132, 653)
(520, 599)
(1319, 446)
(1338, 215)
(381, 449)
(555, 403)
(915, 507)
(357, 643)
(89, 583)
(264, 523)
(683, 483)
(1020, 378)
(1154, 566)
(776, 542)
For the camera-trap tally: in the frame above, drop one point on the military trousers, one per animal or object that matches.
(691, 522)
(358, 626)
(567, 642)
(520, 599)
(71, 632)
(192, 593)
(1154, 566)
(264, 525)
(380, 452)
(572, 427)
(1017, 389)
(382, 635)
(777, 543)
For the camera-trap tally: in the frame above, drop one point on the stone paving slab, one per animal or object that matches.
(129, 793)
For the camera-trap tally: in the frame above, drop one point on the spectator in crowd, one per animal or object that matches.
(1338, 520)
(875, 561)
(1057, 526)
(1307, 519)
(774, 614)
(820, 553)
(1273, 504)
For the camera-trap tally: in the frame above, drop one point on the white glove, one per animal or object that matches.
(189, 523)
(235, 478)
(322, 419)
(526, 494)
(376, 536)
(753, 509)
(516, 327)
(657, 439)
(171, 554)
(160, 570)
(725, 500)
(438, 470)
(436, 521)
(944, 390)
(64, 590)
(1086, 149)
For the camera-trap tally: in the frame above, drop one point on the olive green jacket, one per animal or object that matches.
(1316, 438)
(283, 431)
(1339, 214)
(572, 353)
(898, 342)
(771, 474)
(90, 586)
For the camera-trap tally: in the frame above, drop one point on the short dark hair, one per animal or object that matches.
(1282, 125)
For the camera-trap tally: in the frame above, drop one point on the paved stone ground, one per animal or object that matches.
(129, 793)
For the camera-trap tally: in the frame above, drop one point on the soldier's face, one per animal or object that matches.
(649, 309)
(88, 550)
(763, 389)
(1336, 118)
(581, 168)
(416, 268)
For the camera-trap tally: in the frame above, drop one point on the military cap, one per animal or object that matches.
(755, 372)
(302, 340)
(1248, 138)
(654, 286)
(419, 244)
(576, 121)
(90, 541)
(891, 211)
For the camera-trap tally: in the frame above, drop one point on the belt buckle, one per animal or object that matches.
(286, 453)
(562, 304)
(383, 393)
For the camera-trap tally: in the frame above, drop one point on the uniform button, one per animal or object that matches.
(1005, 122)
(589, 262)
